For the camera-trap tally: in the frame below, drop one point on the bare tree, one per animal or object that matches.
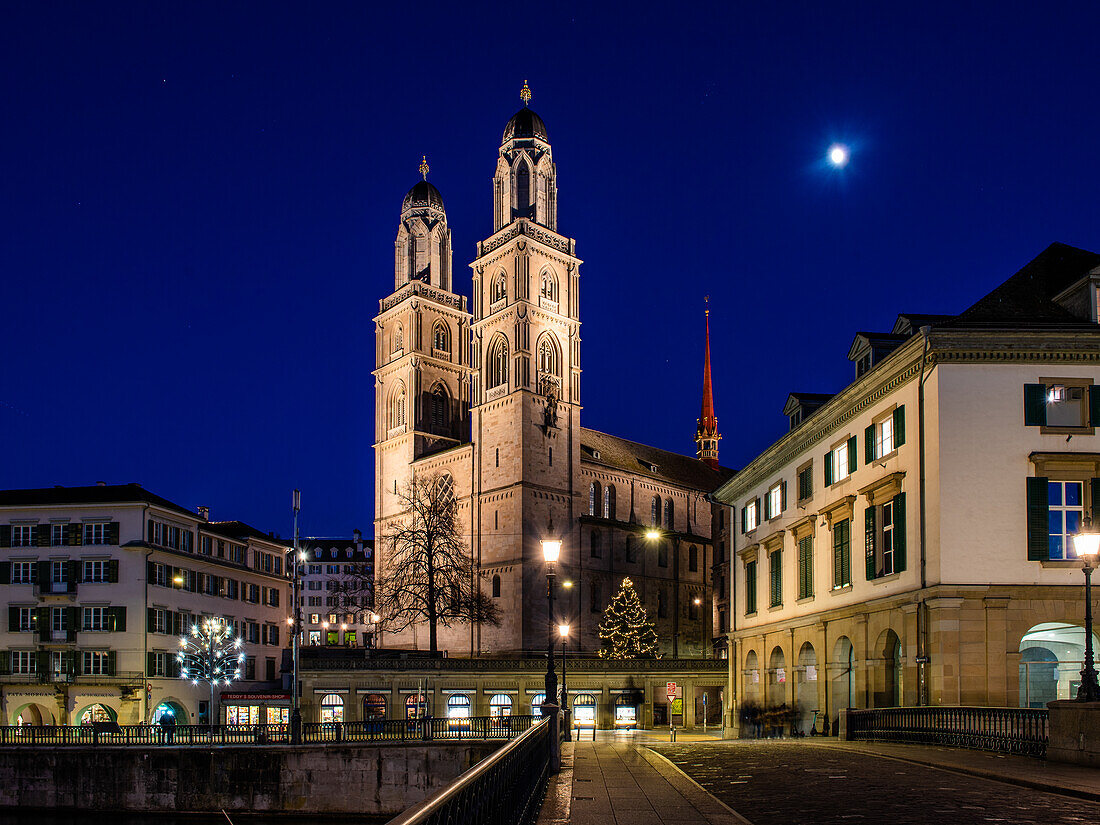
(428, 573)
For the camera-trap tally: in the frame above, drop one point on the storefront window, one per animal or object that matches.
(500, 705)
(97, 713)
(536, 703)
(416, 706)
(332, 708)
(626, 712)
(584, 710)
(374, 706)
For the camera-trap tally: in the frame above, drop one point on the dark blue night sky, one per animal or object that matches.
(199, 207)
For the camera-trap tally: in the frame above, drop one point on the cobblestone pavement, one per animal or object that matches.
(780, 783)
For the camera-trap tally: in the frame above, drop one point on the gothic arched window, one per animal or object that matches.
(655, 511)
(445, 490)
(440, 409)
(548, 357)
(498, 363)
(398, 338)
(593, 498)
(498, 289)
(609, 501)
(549, 288)
(523, 188)
(397, 407)
(441, 337)
(669, 511)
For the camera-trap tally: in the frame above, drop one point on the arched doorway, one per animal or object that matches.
(374, 706)
(888, 671)
(842, 678)
(96, 713)
(626, 711)
(1052, 655)
(752, 679)
(32, 715)
(777, 678)
(458, 711)
(416, 706)
(536, 704)
(805, 697)
(169, 708)
(332, 708)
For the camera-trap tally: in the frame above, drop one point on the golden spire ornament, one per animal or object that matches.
(424, 166)
(525, 92)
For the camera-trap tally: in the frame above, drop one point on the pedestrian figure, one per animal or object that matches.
(168, 725)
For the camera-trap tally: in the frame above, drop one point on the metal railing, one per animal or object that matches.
(1021, 731)
(377, 730)
(505, 788)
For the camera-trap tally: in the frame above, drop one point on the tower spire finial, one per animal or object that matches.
(424, 166)
(525, 92)
(706, 434)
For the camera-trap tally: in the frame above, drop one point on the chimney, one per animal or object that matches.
(204, 512)
(358, 539)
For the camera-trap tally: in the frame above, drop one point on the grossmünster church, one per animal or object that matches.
(484, 392)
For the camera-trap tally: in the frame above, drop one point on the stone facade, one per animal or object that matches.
(920, 556)
(490, 398)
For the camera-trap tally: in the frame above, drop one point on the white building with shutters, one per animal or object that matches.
(101, 581)
(908, 540)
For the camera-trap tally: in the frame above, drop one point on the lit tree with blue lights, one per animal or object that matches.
(210, 653)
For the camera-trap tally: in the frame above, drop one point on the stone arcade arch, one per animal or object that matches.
(806, 679)
(32, 714)
(887, 670)
(841, 678)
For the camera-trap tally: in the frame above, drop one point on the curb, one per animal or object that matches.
(651, 754)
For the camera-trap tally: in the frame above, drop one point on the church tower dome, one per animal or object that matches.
(422, 250)
(526, 181)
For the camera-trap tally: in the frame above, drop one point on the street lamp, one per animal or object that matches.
(551, 550)
(654, 535)
(297, 556)
(563, 631)
(1087, 544)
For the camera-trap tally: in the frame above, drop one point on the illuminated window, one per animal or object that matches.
(498, 363)
(332, 708)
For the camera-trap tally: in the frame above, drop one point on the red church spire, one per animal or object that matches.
(706, 434)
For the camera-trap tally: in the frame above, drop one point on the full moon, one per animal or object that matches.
(838, 155)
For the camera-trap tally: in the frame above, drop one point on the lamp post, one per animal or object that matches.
(1087, 544)
(551, 550)
(563, 631)
(374, 631)
(654, 535)
(296, 630)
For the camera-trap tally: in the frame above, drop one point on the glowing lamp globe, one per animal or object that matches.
(551, 549)
(1086, 541)
(838, 155)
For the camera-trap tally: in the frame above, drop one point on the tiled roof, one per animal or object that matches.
(1026, 299)
(633, 457)
(239, 530)
(95, 494)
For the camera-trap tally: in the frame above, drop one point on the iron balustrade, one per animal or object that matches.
(505, 788)
(371, 730)
(1021, 731)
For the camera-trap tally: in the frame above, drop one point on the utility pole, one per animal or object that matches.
(295, 703)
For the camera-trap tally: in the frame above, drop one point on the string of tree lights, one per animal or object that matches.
(211, 653)
(625, 629)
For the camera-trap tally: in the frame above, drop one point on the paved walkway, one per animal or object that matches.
(620, 780)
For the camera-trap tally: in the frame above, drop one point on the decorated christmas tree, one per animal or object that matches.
(625, 629)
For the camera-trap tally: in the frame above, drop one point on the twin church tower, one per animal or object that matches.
(486, 397)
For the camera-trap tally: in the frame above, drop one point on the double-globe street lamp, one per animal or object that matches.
(1086, 542)
(551, 550)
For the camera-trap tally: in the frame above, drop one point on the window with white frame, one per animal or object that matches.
(94, 662)
(22, 572)
(95, 571)
(57, 619)
(24, 618)
(23, 662)
(59, 572)
(159, 663)
(841, 462)
(96, 533)
(1067, 406)
(22, 535)
(884, 437)
(752, 515)
(158, 620)
(57, 534)
(1066, 502)
(95, 618)
(775, 501)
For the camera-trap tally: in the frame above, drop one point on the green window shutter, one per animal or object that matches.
(44, 575)
(743, 509)
(114, 529)
(72, 574)
(5, 570)
(112, 570)
(782, 496)
(5, 662)
(72, 622)
(1094, 405)
(150, 532)
(111, 663)
(805, 568)
(869, 540)
(150, 619)
(150, 664)
(42, 661)
(869, 444)
(118, 619)
(43, 615)
(74, 534)
(899, 425)
(5, 535)
(42, 535)
(767, 514)
(13, 619)
(853, 459)
(1094, 512)
(1038, 519)
(1035, 405)
(828, 465)
(899, 532)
